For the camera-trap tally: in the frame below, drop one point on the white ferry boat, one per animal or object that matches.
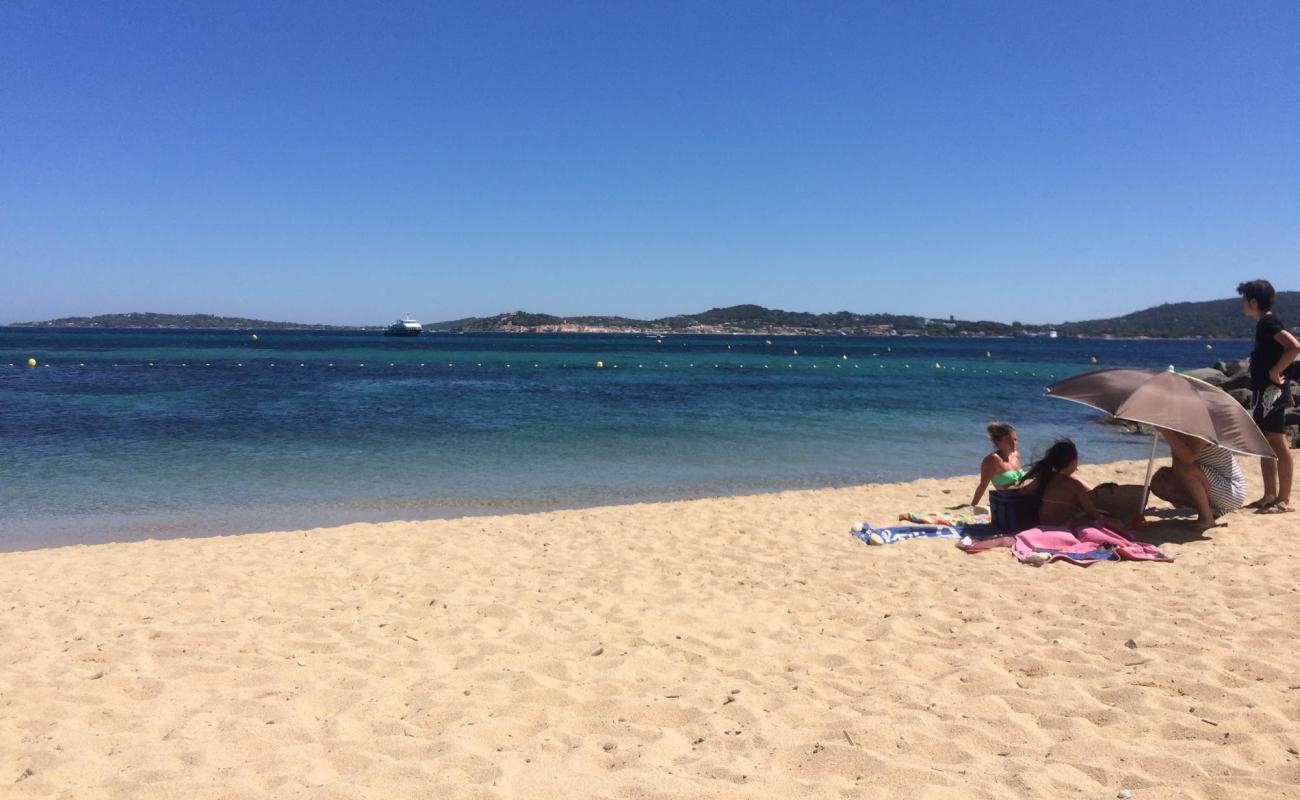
(404, 327)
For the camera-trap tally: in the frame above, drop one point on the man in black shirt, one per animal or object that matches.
(1276, 349)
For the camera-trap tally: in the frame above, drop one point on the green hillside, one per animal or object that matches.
(138, 319)
(740, 318)
(1219, 319)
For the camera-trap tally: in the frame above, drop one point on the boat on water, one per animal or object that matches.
(404, 327)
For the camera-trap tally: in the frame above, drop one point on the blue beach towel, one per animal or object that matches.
(904, 532)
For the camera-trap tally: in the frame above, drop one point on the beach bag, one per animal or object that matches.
(1122, 502)
(1014, 510)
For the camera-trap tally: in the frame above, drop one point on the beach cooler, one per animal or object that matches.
(1013, 510)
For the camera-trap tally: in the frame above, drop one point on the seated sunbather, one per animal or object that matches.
(1001, 468)
(1204, 476)
(1065, 498)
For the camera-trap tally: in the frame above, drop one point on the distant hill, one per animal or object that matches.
(742, 318)
(759, 318)
(1216, 319)
(137, 319)
(514, 320)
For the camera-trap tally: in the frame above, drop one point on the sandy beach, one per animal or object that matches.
(718, 648)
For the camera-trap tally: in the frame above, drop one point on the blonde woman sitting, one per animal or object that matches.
(1001, 468)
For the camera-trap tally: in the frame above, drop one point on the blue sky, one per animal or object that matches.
(344, 162)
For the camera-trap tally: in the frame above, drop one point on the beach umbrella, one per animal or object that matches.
(1165, 399)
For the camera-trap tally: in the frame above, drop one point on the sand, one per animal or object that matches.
(732, 647)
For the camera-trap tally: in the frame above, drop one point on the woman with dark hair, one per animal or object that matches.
(1001, 468)
(1063, 497)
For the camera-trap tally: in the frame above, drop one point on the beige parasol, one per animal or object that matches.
(1166, 399)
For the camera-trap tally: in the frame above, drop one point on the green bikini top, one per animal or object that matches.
(1008, 478)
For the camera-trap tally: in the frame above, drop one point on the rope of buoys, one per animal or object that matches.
(599, 364)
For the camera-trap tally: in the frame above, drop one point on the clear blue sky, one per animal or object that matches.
(348, 162)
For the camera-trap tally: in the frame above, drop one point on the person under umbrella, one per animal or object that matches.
(1204, 476)
(1177, 403)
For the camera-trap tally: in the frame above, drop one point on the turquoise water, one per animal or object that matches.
(177, 433)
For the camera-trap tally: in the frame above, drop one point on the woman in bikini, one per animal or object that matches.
(1001, 468)
(1065, 498)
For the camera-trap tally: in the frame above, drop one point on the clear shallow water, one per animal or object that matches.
(178, 433)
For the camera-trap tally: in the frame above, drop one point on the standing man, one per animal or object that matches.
(1275, 351)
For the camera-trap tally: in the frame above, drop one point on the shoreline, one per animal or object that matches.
(184, 525)
(732, 647)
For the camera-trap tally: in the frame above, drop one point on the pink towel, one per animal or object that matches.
(1085, 544)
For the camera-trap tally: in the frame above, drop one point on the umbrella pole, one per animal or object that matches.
(1151, 463)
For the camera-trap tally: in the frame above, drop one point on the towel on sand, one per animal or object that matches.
(901, 533)
(1084, 545)
(944, 518)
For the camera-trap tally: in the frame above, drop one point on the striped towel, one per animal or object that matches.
(944, 518)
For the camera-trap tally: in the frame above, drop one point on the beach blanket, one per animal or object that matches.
(944, 518)
(1084, 545)
(901, 533)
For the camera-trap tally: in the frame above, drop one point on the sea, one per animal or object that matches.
(122, 435)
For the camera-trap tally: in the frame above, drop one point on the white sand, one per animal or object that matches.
(735, 647)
